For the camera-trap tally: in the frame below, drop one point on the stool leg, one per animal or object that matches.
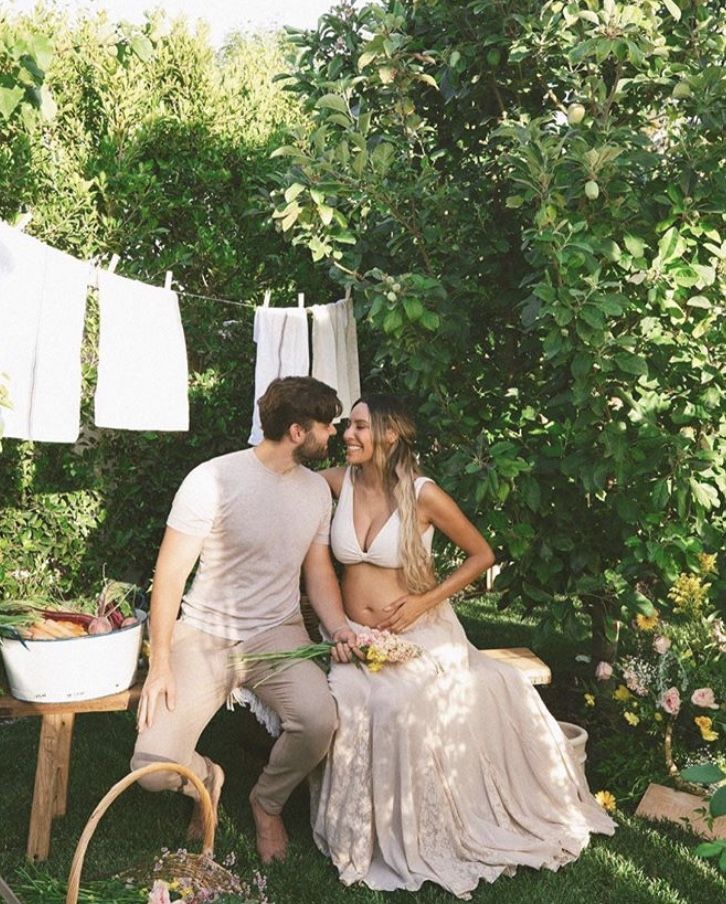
(53, 731)
(63, 764)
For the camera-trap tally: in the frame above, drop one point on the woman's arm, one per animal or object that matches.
(436, 507)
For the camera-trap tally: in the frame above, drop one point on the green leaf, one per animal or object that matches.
(288, 150)
(699, 301)
(332, 102)
(340, 119)
(413, 307)
(9, 99)
(660, 495)
(365, 58)
(708, 849)
(631, 364)
(428, 79)
(671, 245)
(610, 305)
(703, 493)
(514, 201)
(42, 50)
(393, 321)
(325, 213)
(293, 191)
(704, 774)
(634, 245)
(717, 807)
(581, 365)
(673, 9)
(531, 494)
(142, 47)
(430, 320)
(48, 107)
(593, 316)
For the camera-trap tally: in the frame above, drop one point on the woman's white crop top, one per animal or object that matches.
(384, 551)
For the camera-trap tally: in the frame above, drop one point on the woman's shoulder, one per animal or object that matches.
(334, 478)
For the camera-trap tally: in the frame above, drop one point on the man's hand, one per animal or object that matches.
(158, 688)
(345, 648)
(403, 612)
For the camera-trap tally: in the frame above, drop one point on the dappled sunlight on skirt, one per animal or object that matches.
(448, 768)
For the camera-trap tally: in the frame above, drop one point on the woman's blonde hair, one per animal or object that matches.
(397, 464)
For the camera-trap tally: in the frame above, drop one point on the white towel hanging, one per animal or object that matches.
(42, 307)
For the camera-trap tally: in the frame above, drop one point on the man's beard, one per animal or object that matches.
(310, 449)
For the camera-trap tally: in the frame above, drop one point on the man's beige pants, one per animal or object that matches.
(205, 674)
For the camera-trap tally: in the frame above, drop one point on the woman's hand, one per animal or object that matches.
(403, 612)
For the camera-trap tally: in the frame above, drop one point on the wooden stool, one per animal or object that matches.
(532, 666)
(50, 794)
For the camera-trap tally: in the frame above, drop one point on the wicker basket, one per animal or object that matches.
(208, 816)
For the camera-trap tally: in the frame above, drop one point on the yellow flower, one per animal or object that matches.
(646, 622)
(631, 718)
(606, 800)
(658, 717)
(706, 726)
(589, 700)
(622, 693)
(707, 563)
(688, 592)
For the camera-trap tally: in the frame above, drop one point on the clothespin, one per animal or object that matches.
(167, 280)
(301, 299)
(348, 293)
(267, 298)
(114, 262)
(23, 220)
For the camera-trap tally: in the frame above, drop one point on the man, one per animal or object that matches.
(254, 518)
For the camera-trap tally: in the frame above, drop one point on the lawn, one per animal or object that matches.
(640, 865)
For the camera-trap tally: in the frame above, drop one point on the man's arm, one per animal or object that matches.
(324, 593)
(177, 556)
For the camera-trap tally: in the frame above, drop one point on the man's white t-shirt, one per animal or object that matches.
(258, 526)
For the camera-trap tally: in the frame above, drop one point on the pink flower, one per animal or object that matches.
(604, 671)
(704, 697)
(671, 701)
(159, 893)
(661, 644)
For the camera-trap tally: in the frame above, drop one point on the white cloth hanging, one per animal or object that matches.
(281, 335)
(142, 358)
(335, 350)
(42, 307)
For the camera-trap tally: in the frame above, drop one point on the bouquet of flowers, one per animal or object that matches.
(378, 647)
(672, 674)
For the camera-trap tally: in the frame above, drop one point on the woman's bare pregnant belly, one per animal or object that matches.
(368, 589)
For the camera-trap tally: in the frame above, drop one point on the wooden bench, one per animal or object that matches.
(50, 793)
(525, 660)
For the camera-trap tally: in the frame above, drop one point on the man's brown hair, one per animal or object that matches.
(296, 400)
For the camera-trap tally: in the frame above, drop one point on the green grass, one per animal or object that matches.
(639, 865)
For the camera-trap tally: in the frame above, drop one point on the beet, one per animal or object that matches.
(100, 625)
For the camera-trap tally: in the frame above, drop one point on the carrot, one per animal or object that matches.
(78, 618)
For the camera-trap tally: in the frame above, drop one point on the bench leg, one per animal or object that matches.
(51, 781)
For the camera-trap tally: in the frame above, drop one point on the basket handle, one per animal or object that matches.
(74, 877)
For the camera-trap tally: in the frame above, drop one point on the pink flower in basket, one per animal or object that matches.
(604, 671)
(671, 701)
(661, 644)
(704, 697)
(159, 893)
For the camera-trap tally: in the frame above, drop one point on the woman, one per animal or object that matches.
(448, 768)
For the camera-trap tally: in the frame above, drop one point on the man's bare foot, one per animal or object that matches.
(271, 835)
(214, 782)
